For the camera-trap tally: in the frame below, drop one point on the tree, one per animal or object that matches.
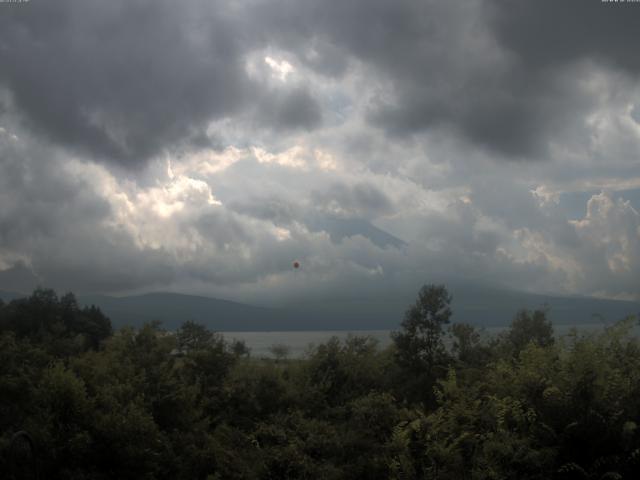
(529, 327)
(59, 324)
(193, 336)
(280, 351)
(467, 345)
(419, 344)
(239, 348)
(206, 360)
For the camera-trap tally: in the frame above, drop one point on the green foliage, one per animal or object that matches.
(419, 344)
(192, 337)
(529, 327)
(258, 390)
(59, 325)
(468, 347)
(338, 372)
(419, 347)
(150, 404)
(280, 351)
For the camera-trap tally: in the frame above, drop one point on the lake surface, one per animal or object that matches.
(299, 341)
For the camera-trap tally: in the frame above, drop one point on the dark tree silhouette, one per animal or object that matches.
(419, 344)
(529, 327)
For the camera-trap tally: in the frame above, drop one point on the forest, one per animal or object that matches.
(79, 400)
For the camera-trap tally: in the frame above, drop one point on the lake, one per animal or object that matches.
(299, 341)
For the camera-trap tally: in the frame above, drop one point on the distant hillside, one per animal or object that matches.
(482, 306)
(493, 307)
(7, 296)
(477, 305)
(173, 309)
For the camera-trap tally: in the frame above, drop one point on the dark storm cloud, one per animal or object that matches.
(291, 110)
(18, 278)
(502, 75)
(123, 79)
(120, 79)
(38, 199)
(548, 33)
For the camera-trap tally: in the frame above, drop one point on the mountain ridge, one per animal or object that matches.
(481, 306)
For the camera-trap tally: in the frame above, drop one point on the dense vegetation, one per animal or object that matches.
(146, 404)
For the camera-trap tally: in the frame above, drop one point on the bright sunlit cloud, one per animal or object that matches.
(382, 147)
(280, 69)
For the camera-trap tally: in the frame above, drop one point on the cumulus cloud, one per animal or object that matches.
(122, 80)
(610, 247)
(478, 69)
(202, 146)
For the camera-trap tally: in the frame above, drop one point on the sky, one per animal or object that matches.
(204, 146)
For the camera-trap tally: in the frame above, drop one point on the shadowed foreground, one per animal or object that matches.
(145, 403)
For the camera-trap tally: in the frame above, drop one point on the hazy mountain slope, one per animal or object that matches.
(476, 305)
(7, 296)
(174, 309)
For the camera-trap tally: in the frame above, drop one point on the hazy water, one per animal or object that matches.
(299, 341)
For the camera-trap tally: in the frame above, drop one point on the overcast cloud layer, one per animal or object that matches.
(203, 146)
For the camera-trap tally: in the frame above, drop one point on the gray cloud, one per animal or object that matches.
(120, 240)
(292, 110)
(241, 168)
(359, 200)
(18, 278)
(503, 75)
(120, 80)
(117, 78)
(547, 34)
